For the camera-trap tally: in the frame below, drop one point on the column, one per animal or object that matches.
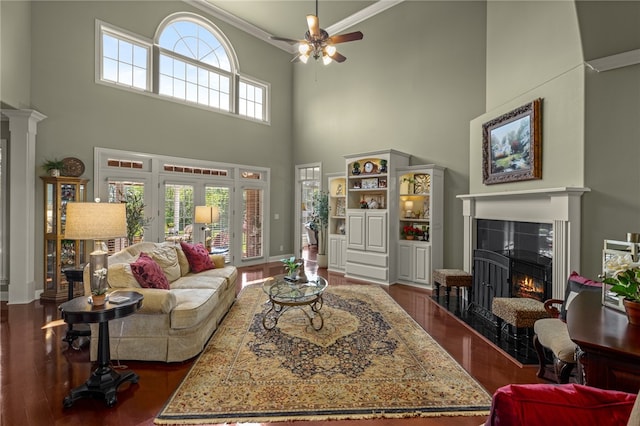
(22, 256)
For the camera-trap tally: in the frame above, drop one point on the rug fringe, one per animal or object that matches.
(370, 416)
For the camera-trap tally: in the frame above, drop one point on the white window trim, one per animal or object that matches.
(103, 27)
(152, 59)
(153, 176)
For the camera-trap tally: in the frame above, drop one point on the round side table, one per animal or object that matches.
(104, 381)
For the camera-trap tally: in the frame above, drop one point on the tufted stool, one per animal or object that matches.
(451, 278)
(520, 312)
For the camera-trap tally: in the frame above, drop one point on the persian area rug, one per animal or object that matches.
(370, 360)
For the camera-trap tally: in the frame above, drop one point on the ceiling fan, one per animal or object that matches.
(318, 44)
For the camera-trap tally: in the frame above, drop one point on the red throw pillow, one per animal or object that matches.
(197, 256)
(148, 273)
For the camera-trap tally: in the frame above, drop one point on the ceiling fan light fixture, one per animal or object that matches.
(330, 50)
(304, 58)
(304, 48)
(326, 59)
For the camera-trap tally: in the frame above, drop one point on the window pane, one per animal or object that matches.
(131, 193)
(203, 95)
(110, 69)
(242, 107)
(109, 47)
(125, 52)
(125, 74)
(224, 84)
(243, 91)
(140, 57)
(166, 85)
(192, 74)
(220, 230)
(166, 65)
(252, 214)
(179, 69)
(179, 89)
(214, 81)
(203, 77)
(192, 92)
(139, 78)
(214, 99)
(224, 102)
(178, 213)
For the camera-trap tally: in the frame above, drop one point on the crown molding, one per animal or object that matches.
(612, 62)
(362, 15)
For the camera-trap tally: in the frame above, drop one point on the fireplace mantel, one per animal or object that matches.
(560, 207)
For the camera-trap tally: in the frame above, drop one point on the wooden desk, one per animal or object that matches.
(609, 348)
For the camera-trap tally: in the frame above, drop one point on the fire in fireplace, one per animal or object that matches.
(530, 275)
(526, 286)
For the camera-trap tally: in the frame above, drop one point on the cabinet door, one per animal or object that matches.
(342, 262)
(376, 231)
(404, 262)
(422, 264)
(356, 233)
(334, 252)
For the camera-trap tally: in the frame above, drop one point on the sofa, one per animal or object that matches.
(186, 293)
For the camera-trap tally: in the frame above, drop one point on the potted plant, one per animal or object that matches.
(383, 166)
(409, 232)
(356, 168)
(99, 287)
(291, 266)
(136, 222)
(626, 284)
(320, 217)
(53, 167)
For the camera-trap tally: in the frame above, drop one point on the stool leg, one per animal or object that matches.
(458, 301)
(437, 291)
(447, 293)
(499, 328)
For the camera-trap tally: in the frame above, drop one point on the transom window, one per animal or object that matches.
(196, 64)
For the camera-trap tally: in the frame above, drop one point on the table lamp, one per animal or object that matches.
(206, 215)
(408, 205)
(99, 222)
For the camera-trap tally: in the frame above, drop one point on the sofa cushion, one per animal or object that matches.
(570, 404)
(192, 306)
(201, 280)
(120, 275)
(197, 256)
(167, 258)
(148, 273)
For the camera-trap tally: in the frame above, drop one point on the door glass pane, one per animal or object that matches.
(220, 231)
(252, 214)
(132, 193)
(178, 213)
(309, 184)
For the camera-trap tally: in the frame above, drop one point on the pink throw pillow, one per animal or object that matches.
(148, 273)
(197, 256)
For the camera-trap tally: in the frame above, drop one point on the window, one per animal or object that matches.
(125, 61)
(191, 61)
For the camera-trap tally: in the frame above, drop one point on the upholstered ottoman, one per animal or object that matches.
(520, 312)
(451, 278)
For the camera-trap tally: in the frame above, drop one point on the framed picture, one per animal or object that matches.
(511, 145)
(421, 184)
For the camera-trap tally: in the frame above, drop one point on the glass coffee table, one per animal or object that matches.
(285, 294)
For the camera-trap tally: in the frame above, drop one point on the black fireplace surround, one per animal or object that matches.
(513, 259)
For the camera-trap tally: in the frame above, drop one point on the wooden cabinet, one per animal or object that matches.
(371, 184)
(60, 253)
(336, 249)
(419, 209)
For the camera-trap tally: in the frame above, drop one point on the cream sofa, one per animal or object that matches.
(172, 325)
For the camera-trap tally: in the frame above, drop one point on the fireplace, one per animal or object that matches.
(530, 275)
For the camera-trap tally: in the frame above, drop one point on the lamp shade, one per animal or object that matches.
(95, 221)
(207, 214)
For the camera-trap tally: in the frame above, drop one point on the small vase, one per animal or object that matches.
(98, 299)
(409, 237)
(633, 311)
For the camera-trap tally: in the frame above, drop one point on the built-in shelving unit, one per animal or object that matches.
(337, 247)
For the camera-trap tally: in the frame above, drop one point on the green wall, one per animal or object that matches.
(412, 84)
(15, 54)
(83, 114)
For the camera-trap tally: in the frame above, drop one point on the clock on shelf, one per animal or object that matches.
(369, 167)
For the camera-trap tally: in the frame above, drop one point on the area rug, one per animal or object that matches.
(370, 360)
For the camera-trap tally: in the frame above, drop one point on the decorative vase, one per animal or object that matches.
(409, 237)
(322, 260)
(54, 172)
(633, 311)
(98, 299)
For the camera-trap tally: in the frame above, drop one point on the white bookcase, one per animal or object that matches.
(371, 183)
(419, 206)
(337, 247)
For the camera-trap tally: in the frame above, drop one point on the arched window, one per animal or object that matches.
(196, 63)
(193, 62)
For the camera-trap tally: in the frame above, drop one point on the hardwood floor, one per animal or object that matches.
(37, 369)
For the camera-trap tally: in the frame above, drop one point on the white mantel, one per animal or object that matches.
(560, 207)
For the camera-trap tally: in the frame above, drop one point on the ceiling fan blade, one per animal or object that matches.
(288, 40)
(296, 59)
(338, 57)
(314, 25)
(341, 38)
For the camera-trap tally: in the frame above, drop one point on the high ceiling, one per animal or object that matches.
(287, 18)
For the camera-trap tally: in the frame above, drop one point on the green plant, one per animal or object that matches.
(99, 289)
(356, 165)
(320, 217)
(136, 222)
(291, 264)
(410, 230)
(54, 164)
(626, 283)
